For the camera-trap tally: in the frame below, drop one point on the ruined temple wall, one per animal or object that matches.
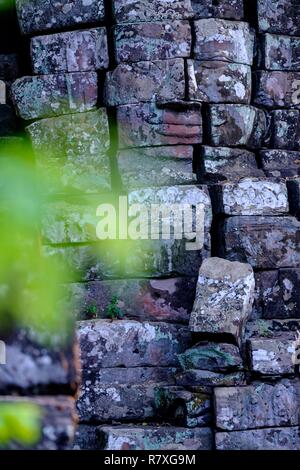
(199, 102)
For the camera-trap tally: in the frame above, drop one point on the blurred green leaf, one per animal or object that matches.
(20, 423)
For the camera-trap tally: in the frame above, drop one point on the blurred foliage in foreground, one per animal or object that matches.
(30, 284)
(19, 423)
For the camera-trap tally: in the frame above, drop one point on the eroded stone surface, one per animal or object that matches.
(53, 95)
(277, 89)
(263, 242)
(44, 15)
(224, 298)
(279, 16)
(252, 196)
(285, 129)
(158, 166)
(205, 379)
(230, 9)
(258, 405)
(278, 328)
(272, 356)
(280, 52)
(135, 11)
(144, 125)
(217, 357)
(154, 438)
(260, 439)
(152, 41)
(63, 52)
(234, 125)
(221, 82)
(161, 81)
(217, 39)
(281, 162)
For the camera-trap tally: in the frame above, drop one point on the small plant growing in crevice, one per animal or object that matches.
(91, 311)
(113, 311)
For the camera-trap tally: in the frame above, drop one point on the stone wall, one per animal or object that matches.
(195, 101)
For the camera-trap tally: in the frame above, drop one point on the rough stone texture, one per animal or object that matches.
(277, 89)
(168, 300)
(53, 95)
(206, 380)
(74, 149)
(217, 39)
(252, 196)
(285, 129)
(154, 438)
(86, 438)
(279, 16)
(258, 405)
(278, 293)
(129, 344)
(294, 195)
(263, 242)
(182, 407)
(224, 298)
(63, 52)
(58, 421)
(152, 41)
(158, 166)
(161, 81)
(32, 366)
(86, 262)
(224, 163)
(135, 11)
(220, 82)
(278, 328)
(234, 125)
(259, 439)
(44, 15)
(216, 357)
(272, 356)
(230, 9)
(280, 52)
(280, 162)
(145, 125)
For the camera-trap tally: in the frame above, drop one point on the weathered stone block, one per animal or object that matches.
(161, 81)
(263, 242)
(135, 376)
(182, 407)
(294, 195)
(271, 356)
(216, 310)
(146, 125)
(259, 439)
(285, 129)
(127, 343)
(252, 196)
(205, 379)
(224, 40)
(258, 405)
(72, 149)
(8, 123)
(220, 82)
(161, 166)
(43, 15)
(279, 16)
(277, 89)
(280, 52)
(154, 438)
(87, 262)
(278, 293)
(236, 124)
(152, 41)
(53, 95)
(139, 299)
(216, 357)
(286, 328)
(63, 52)
(224, 163)
(230, 9)
(58, 421)
(281, 160)
(86, 438)
(30, 365)
(136, 11)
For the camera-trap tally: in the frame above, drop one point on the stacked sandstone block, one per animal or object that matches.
(184, 103)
